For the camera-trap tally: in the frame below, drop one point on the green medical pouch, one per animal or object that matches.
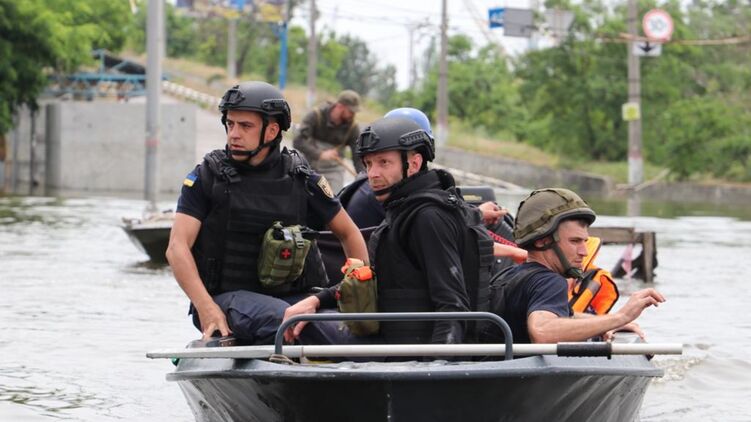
(282, 256)
(358, 292)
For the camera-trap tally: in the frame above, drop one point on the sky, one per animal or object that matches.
(384, 25)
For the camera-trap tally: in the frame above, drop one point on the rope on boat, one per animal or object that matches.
(282, 359)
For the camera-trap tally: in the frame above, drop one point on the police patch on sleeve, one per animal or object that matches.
(325, 187)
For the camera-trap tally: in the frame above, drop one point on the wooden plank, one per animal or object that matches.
(648, 248)
(614, 235)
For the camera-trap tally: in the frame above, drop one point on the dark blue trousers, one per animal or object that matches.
(255, 317)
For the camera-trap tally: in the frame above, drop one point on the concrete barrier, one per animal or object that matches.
(99, 147)
(524, 174)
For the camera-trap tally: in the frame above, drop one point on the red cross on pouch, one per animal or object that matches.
(285, 253)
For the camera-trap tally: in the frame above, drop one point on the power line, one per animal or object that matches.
(626, 38)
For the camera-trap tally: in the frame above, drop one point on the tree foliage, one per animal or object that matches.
(41, 36)
(695, 99)
(343, 61)
(481, 87)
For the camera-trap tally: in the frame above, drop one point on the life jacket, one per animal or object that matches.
(243, 208)
(595, 292)
(402, 286)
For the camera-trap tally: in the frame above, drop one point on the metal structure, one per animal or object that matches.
(116, 77)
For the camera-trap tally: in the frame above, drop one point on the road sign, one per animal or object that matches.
(657, 25)
(631, 111)
(647, 49)
(495, 17)
(518, 22)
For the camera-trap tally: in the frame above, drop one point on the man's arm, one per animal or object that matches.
(304, 140)
(182, 237)
(547, 327)
(354, 247)
(434, 240)
(350, 237)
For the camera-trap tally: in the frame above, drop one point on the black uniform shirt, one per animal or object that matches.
(543, 291)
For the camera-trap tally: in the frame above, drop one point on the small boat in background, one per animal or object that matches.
(150, 234)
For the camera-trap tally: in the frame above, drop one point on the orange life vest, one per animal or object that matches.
(596, 291)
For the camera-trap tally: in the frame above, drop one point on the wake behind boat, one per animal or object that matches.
(576, 381)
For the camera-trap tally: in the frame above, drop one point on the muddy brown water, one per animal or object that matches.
(80, 306)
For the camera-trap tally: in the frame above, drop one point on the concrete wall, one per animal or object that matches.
(18, 150)
(532, 177)
(523, 174)
(99, 146)
(691, 192)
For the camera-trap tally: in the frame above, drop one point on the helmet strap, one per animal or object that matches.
(261, 145)
(405, 164)
(569, 271)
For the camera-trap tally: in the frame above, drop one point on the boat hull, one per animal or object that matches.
(534, 388)
(152, 240)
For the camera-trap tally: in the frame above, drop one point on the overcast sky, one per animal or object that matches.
(383, 24)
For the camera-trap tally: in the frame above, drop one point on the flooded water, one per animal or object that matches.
(80, 306)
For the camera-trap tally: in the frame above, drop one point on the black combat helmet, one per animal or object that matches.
(395, 133)
(262, 98)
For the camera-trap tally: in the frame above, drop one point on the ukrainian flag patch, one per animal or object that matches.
(190, 179)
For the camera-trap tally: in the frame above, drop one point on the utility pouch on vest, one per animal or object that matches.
(358, 293)
(282, 256)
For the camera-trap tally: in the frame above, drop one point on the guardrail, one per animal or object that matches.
(202, 99)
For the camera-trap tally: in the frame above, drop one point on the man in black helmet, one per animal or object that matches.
(228, 204)
(324, 133)
(551, 224)
(431, 253)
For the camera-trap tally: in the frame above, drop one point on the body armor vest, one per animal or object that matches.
(402, 286)
(243, 207)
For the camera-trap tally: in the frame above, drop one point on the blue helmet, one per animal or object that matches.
(413, 114)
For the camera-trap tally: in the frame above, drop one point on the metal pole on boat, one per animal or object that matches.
(399, 316)
(154, 51)
(418, 350)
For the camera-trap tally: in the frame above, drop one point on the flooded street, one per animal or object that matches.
(80, 306)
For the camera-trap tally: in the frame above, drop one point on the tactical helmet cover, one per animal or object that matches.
(543, 210)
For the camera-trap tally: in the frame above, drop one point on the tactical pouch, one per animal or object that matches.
(282, 256)
(358, 292)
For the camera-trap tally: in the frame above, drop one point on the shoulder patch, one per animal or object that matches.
(325, 187)
(190, 179)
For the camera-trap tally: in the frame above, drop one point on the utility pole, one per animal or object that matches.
(154, 51)
(442, 100)
(312, 56)
(231, 48)
(283, 32)
(635, 160)
(413, 27)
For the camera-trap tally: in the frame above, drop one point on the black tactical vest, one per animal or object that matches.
(402, 286)
(243, 207)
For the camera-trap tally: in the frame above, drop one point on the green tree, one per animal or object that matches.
(41, 36)
(480, 86)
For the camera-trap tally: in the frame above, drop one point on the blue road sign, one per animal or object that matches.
(495, 17)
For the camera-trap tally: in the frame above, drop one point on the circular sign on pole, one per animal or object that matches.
(657, 25)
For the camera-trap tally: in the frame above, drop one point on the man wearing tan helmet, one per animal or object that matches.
(551, 224)
(325, 131)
